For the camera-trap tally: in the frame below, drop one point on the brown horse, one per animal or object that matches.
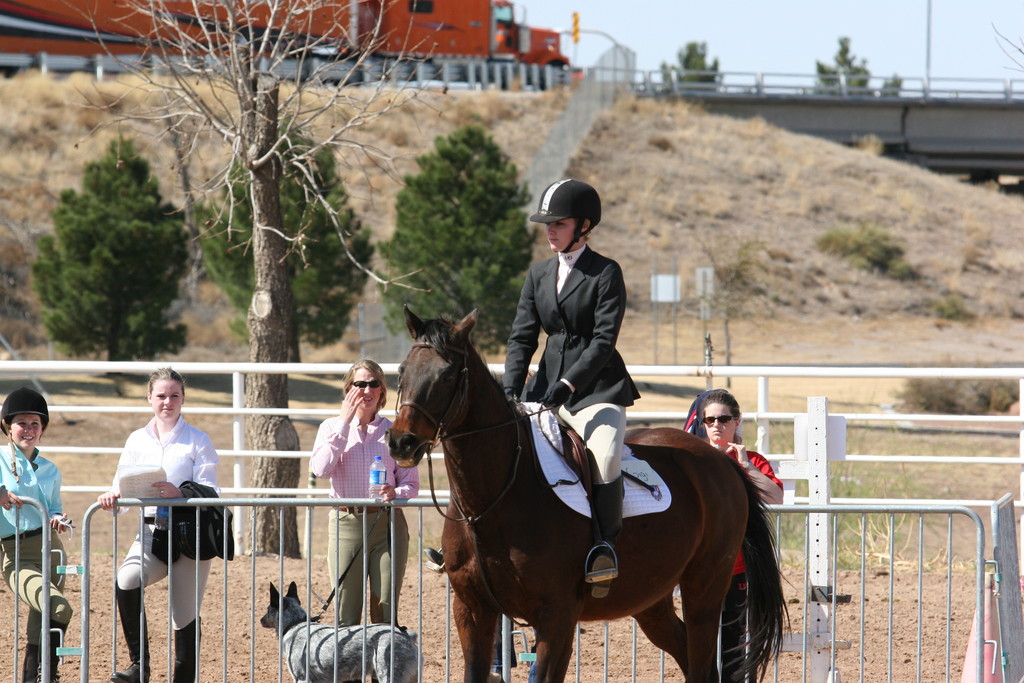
(512, 547)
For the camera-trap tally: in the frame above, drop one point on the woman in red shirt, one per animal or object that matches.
(721, 419)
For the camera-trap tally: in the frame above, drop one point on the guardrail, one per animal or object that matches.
(781, 84)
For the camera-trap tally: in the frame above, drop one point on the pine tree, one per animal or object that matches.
(461, 231)
(846, 64)
(692, 58)
(109, 273)
(325, 283)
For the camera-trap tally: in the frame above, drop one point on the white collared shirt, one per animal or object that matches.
(566, 262)
(185, 454)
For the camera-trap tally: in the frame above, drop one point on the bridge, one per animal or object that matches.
(969, 127)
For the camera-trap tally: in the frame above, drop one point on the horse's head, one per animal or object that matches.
(433, 385)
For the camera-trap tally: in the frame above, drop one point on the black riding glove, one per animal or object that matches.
(558, 394)
(512, 395)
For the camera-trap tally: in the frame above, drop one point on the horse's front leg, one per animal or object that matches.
(554, 649)
(476, 633)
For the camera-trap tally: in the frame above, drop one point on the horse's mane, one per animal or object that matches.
(437, 332)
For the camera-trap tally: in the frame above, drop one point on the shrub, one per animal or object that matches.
(960, 396)
(952, 307)
(867, 246)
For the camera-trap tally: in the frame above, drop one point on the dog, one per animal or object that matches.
(382, 643)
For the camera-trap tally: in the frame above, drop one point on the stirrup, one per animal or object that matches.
(434, 560)
(602, 564)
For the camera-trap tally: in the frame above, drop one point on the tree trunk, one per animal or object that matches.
(270, 324)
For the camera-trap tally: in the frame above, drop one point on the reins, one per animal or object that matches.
(456, 408)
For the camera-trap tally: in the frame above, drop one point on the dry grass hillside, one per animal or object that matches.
(678, 185)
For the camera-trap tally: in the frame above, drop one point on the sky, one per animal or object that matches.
(789, 36)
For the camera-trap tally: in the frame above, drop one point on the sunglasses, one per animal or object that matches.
(361, 384)
(722, 419)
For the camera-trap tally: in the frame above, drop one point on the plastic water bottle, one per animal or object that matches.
(162, 513)
(378, 477)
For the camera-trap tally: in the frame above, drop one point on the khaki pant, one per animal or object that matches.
(27, 582)
(603, 429)
(344, 544)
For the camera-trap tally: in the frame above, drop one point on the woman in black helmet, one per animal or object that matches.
(578, 298)
(27, 474)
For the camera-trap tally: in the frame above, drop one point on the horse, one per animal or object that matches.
(512, 547)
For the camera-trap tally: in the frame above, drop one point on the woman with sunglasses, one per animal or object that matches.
(721, 419)
(344, 449)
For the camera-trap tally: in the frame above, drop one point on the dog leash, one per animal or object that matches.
(358, 552)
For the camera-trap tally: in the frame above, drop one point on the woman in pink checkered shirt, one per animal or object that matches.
(344, 449)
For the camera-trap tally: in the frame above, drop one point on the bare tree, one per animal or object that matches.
(248, 74)
(737, 264)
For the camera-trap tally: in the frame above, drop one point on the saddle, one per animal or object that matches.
(574, 453)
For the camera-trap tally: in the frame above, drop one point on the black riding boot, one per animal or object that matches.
(185, 652)
(602, 563)
(129, 607)
(30, 669)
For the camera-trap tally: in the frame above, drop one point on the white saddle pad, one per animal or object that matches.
(567, 486)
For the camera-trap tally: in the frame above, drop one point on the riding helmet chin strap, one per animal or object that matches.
(577, 234)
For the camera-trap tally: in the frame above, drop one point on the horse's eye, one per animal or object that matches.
(448, 375)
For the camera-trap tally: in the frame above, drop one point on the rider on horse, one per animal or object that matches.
(578, 298)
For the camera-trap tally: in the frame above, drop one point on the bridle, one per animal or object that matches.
(457, 405)
(456, 408)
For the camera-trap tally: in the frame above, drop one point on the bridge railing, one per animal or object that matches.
(781, 84)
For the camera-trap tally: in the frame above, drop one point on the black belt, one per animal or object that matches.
(27, 534)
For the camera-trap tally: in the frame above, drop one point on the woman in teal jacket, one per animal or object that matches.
(26, 474)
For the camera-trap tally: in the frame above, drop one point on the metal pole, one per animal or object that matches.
(675, 309)
(928, 45)
(654, 309)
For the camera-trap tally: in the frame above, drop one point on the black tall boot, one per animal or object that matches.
(129, 607)
(602, 562)
(30, 669)
(185, 652)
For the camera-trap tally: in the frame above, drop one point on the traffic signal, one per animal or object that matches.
(575, 27)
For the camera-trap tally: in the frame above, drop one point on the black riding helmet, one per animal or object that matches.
(23, 401)
(569, 198)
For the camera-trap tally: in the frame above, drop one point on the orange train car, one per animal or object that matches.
(426, 29)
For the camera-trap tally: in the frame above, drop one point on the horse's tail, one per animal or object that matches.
(767, 617)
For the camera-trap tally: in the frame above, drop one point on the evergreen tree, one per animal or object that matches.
(694, 57)
(461, 231)
(325, 283)
(846, 64)
(110, 271)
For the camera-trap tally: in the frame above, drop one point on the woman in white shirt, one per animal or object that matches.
(344, 449)
(185, 454)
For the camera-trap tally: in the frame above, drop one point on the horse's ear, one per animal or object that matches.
(293, 590)
(465, 326)
(414, 324)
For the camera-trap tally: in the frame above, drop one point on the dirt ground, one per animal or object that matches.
(250, 652)
(236, 648)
